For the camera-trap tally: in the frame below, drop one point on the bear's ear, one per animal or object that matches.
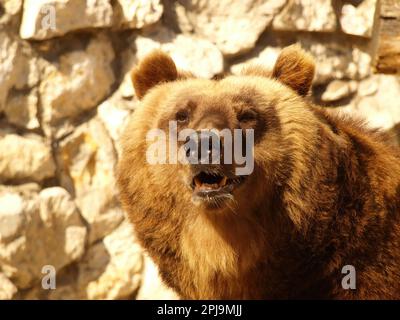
(295, 68)
(155, 68)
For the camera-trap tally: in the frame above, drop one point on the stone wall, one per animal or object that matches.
(65, 96)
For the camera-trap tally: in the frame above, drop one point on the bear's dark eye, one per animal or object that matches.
(182, 116)
(247, 116)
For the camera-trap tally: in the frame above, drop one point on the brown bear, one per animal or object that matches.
(323, 196)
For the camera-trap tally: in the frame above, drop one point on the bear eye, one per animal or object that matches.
(247, 116)
(182, 116)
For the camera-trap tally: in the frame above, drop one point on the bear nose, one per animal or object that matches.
(204, 147)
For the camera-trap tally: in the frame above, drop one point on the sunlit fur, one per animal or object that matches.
(325, 192)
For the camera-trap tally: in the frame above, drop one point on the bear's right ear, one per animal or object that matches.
(155, 68)
(295, 68)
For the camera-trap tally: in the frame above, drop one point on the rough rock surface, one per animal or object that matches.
(234, 26)
(110, 269)
(358, 20)
(86, 160)
(18, 70)
(10, 9)
(114, 112)
(267, 58)
(44, 19)
(306, 15)
(7, 288)
(25, 157)
(368, 86)
(338, 89)
(38, 229)
(380, 108)
(138, 13)
(191, 53)
(119, 275)
(77, 82)
(333, 60)
(8, 72)
(338, 61)
(22, 109)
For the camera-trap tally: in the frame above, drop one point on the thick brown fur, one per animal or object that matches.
(295, 68)
(325, 191)
(155, 69)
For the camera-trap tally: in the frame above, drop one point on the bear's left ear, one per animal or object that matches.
(295, 68)
(155, 68)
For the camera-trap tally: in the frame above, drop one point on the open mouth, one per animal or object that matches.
(209, 184)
